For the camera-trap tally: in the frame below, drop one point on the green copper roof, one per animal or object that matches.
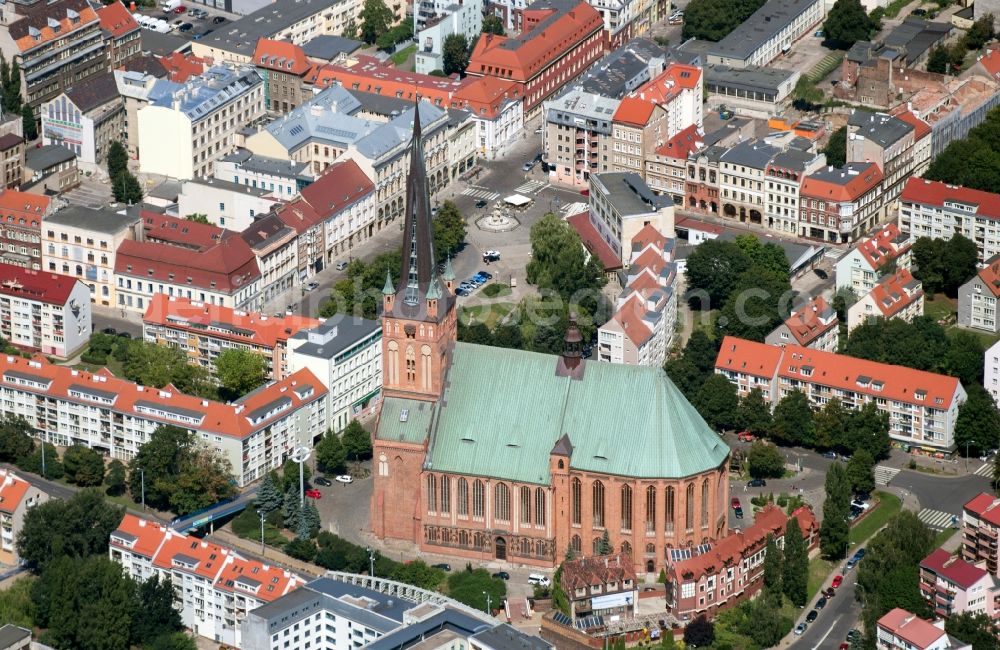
(405, 420)
(434, 290)
(449, 272)
(503, 411)
(388, 289)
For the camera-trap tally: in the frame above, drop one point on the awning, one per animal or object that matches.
(517, 200)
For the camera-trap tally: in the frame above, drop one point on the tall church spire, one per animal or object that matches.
(417, 272)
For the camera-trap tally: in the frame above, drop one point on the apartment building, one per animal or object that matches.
(215, 588)
(888, 142)
(785, 173)
(922, 406)
(715, 576)
(643, 326)
(85, 119)
(678, 91)
(991, 371)
(188, 127)
(862, 266)
(275, 246)
(44, 312)
(11, 160)
(57, 45)
(84, 243)
(813, 324)
(621, 205)
(742, 170)
(576, 139)
(953, 586)
(435, 21)
(977, 298)
(345, 353)
(556, 46)
(840, 204)
(497, 109)
(980, 523)
(367, 74)
(21, 216)
(17, 496)
(224, 203)
(121, 33)
(203, 331)
(283, 178)
(284, 67)
(255, 434)
(901, 630)
(934, 209)
(922, 140)
(898, 295)
(666, 168)
(768, 33)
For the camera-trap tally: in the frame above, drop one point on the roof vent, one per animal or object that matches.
(404, 415)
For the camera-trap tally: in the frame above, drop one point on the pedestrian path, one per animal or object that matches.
(985, 470)
(935, 519)
(531, 187)
(481, 193)
(884, 474)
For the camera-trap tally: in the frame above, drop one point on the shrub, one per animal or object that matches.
(301, 549)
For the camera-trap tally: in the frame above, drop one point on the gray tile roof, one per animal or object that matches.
(11, 634)
(575, 103)
(328, 116)
(103, 220)
(506, 637)
(880, 128)
(249, 161)
(241, 36)
(628, 67)
(227, 185)
(386, 137)
(336, 334)
(840, 175)
(449, 619)
(765, 23)
(50, 155)
(216, 86)
(751, 153)
(96, 91)
(793, 159)
(385, 105)
(327, 47)
(163, 44)
(629, 194)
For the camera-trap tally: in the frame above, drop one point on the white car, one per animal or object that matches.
(538, 579)
(344, 478)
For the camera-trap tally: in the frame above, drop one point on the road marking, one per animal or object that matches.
(481, 193)
(985, 470)
(823, 638)
(935, 519)
(884, 475)
(531, 187)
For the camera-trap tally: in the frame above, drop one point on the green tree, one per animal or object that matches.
(765, 461)
(117, 478)
(83, 466)
(468, 587)
(559, 263)
(78, 527)
(836, 148)
(290, 475)
(718, 402)
(604, 547)
(868, 429)
(52, 468)
(755, 306)
(455, 54)
(834, 531)
(173, 641)
(975, 629)
(938, 60)
(117, 159)
(330, 453)
(763, 256)
(861, 472)
(713, 269)
(493, 25)
(978, 35)
(772, 569)
(206, 477)
(269, 496)
(712, 20)
(15, 438)
(449, 225)
(12, 90)
(154, 615)
(793, 423)
(829, 424)
(150, 364)
(795, 568)
(16, 605)
(198, 217)
(375, 19)
(357, 441)
(419, 573)
(28, 123)
(977, 428)
(847, 23)
(754, 413)
(700, 632)
(240, 371)
(127, 189)
(350, 30)
(290, 508)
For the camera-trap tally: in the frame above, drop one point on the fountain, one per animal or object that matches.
(499, 220)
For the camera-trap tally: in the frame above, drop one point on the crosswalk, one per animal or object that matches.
(531, 187)
(883, 474)
(985, 470)
(480, 193)
(935, 519)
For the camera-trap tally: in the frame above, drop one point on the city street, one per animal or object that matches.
(835, 620)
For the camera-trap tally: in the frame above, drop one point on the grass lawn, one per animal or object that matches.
(889, 505)
(944, 536)
(819, 571)
(400, 57)
(705, 321)
(940, 306)
(496, 290)
(490, 314)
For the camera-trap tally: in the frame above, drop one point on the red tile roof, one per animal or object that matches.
(909, 627)
(262, 581)
(670, 83)
(748, 357)
(180, 67)
(231, 420)
(921, 129)
(593, 241)
(224, 268)
(283, 56)
(367, 74)
(807, 323)
(116, 19)
(599, 570)
(682, 144)
(868, 178)
(649, 235)
(12, 490)
(701, 226)
(985, 506)
(991, 62)
(886, 244)
(341, 185)
(485, 96)
(149, 535)
(629, 316)
(41, 18)
(894, 293)
(23, 208)
(548, 36)
(40, 286)
(634, 111)
(936, 193)
(181, 232)
(252, 328)
(953, 568)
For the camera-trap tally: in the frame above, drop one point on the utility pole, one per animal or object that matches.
(371, 562)
(489, 602)
(142, 483)
(261, 513)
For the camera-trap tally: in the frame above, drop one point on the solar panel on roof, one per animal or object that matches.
(562, 619)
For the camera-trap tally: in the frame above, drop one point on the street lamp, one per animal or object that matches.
(261, 513)
(300, 456)
(43, 457)
(142, 484)
(371, 562)
(488, 603)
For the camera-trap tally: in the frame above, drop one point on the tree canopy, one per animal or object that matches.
(834, 531)
(375, 20)
(795, 566)
(76, 528)
(559, 263)
(765, 461)
(943, 265)
(493, 25)
(150, 364)
(455, 54)
(467, 587)
(847, 23)
(83, 466)
(977, 428)
(449, 224)
(240, 371)
(836, 148)
(793, 423)
(712, 20)
(973, 161)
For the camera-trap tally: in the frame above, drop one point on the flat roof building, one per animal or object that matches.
(768, 33)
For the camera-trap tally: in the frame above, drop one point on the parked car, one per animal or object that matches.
(488, 276)
(800, 628)
(736, 503)
(481, 203)
(538, 579)
(181, 9)
(819, 34)
(461, 292)
(860, 553)
(821, 274)
(738, 513)
(312, 286)
(745, 436)
(109, 330)
(502, 575)
(832, 455)
(314, 494)
(344, 478)
(756, 482)
(322, 480)
(844, 646)
(528, 166)
(829, 593)
(444, 566)
(812, 616)
(218, 20)
(851, 563)
(862, 496)
(124, 335)
(491, 256)
(821, 603)
(837, 581)
(861, 505)
(341, 265)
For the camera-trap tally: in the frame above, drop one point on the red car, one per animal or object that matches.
(736, 504)
(837, 580)
(181, 9)
(745, 436)
(314, 494)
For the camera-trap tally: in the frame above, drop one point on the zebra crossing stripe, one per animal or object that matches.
(480, 194)
(935, 519)
(985, 470)
(883, 474)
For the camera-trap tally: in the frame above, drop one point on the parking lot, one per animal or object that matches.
(191, 21)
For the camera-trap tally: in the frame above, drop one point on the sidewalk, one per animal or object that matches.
(271, 554)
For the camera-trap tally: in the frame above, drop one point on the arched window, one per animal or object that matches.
(445, 495)
(626, 511)
(651, 509)
(478, 499)
(411, 365)
(650, 549)
(425, 367)
(501, 503)
(668, 511)
(525, 504)
(525, 546)
(704, 502)
(539, 506)
(689, 507)
(393, 362)
(627, 549)
(574, 497)
(576, 544)
(595, 547)
(463, 498)
(463, 538)
(598, 495)
(431, 493)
